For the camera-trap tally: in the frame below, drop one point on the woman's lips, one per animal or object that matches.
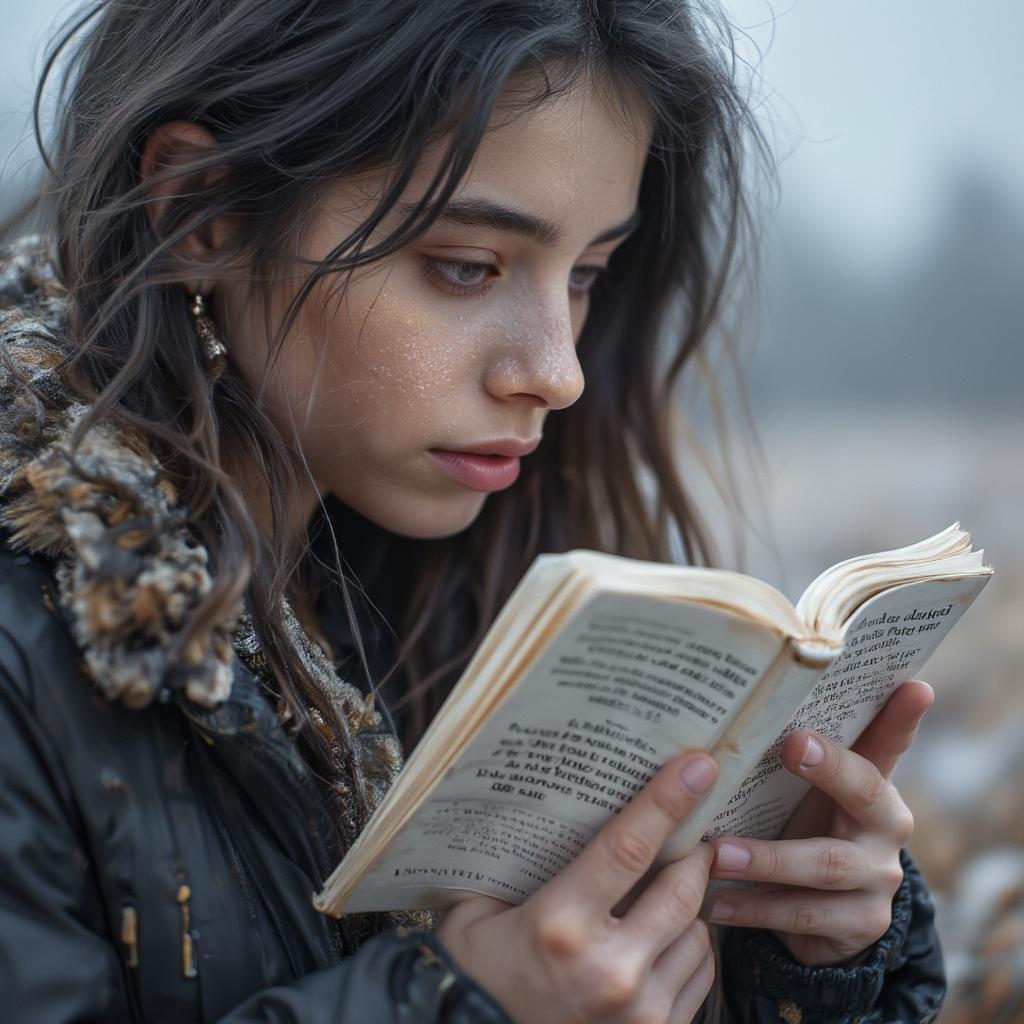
(478, 472)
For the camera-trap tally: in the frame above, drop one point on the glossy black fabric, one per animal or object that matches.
(107, 813)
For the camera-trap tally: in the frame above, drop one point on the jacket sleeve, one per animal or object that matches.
(394, 979)
(901, 980)
(59, 965)
(54, 966)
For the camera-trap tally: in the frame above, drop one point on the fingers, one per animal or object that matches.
(691, 996)
(671, 902)
(828, 864)
(852, 781)
(681, 958)
(894, 727)
(619, 855)
(825, 915)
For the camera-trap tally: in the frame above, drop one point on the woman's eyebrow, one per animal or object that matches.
(484, 213)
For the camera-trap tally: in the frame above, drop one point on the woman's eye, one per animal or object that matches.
(460, 275)
(467, 277)
(582, 279)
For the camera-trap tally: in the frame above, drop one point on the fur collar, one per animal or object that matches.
(128, 571)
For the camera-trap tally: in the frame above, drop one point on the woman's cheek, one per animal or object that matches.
(412, 358)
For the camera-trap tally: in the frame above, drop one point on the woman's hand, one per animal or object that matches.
(828, 883)
(565, 957)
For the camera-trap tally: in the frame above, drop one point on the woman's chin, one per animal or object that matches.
(425, 519)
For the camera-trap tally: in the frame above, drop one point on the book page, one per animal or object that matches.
(887, 641)
(630, 682)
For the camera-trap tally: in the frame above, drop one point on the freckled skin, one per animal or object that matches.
(401, 364)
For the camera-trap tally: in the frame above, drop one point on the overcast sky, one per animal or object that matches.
(884, 103)
(876, 106)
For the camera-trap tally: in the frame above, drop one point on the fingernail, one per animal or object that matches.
(814, 754)
(721, 911)
(698, 775)
(732, 856)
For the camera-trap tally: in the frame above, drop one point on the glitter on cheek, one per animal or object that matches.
(415, 357)
(419, 370)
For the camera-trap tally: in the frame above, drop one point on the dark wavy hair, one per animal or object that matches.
(300, 93)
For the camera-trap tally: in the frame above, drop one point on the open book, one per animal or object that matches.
(600, 668)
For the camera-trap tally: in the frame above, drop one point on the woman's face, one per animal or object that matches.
(466, 339)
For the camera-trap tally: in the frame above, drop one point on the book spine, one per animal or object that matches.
(792, 675)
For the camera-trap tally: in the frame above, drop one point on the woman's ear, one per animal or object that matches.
(177, 145)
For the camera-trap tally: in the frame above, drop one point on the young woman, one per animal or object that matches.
(303, 352)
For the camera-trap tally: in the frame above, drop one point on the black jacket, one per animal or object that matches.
(159, 864)
(160, 836)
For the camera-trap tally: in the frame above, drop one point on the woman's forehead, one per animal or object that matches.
(571, 164)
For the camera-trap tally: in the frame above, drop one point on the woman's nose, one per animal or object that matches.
(538, 360)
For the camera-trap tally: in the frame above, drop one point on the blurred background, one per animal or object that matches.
(884, 363)
(883, 357)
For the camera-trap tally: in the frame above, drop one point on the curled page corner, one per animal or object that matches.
(814, 652)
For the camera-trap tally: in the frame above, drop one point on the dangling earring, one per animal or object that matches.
(213, 348)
